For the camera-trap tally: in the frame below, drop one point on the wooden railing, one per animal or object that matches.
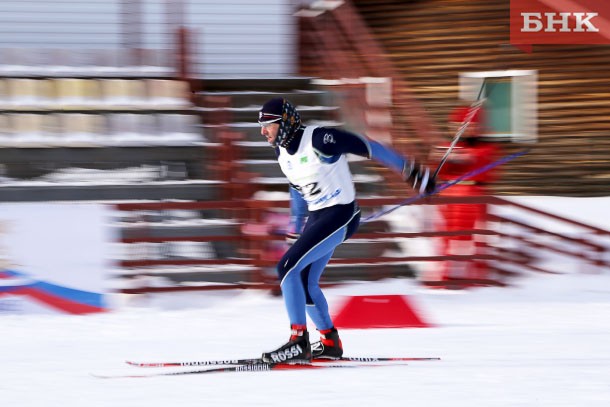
(249, 253)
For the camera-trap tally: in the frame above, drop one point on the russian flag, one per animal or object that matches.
(64, 299)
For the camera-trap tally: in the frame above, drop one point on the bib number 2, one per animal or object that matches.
(308, 190)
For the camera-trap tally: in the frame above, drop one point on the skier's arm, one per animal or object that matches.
(298, 213)
(331, 143)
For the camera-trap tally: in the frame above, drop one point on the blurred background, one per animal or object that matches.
(131, 160)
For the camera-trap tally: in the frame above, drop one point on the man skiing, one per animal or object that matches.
(313, 160)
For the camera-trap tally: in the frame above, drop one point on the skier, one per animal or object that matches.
(313, 159)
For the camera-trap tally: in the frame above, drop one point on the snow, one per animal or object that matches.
(541, 342)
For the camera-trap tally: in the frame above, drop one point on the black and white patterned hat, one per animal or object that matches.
(282, 111)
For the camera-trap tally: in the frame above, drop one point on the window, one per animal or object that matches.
(510, 105)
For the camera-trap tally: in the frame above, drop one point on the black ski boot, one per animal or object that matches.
(296, 350)
(329, 347)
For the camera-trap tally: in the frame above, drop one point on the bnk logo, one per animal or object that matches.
(559, 22)
(553, 22)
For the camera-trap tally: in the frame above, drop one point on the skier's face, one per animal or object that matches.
(270, 132)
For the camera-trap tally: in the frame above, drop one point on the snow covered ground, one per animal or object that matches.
(544, 342)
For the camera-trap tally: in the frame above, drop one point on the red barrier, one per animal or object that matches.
(379, 311)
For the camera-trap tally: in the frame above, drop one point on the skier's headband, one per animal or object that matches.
(265, 119)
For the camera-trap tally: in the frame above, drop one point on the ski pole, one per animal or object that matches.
(446, 185)
(474, 108)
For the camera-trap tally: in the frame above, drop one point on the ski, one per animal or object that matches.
(250, 361)
(252, 367)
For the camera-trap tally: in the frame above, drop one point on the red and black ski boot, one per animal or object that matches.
(329, 346)
(296, 350)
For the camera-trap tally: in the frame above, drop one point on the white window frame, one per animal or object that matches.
(524, 99)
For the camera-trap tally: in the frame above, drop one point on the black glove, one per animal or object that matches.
(420, 178)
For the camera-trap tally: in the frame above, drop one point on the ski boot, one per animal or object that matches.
(329, 346)
(296, 350)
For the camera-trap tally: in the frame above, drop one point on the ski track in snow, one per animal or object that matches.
(544, 342)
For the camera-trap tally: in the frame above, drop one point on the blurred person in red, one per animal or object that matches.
(471, 152)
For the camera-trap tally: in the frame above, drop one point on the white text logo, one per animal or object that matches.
(558, 22)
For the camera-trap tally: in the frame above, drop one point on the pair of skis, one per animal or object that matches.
(258, 365)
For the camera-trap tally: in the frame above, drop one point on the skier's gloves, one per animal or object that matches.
(419, 177)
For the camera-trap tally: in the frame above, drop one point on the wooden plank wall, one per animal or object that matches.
(432, 41)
